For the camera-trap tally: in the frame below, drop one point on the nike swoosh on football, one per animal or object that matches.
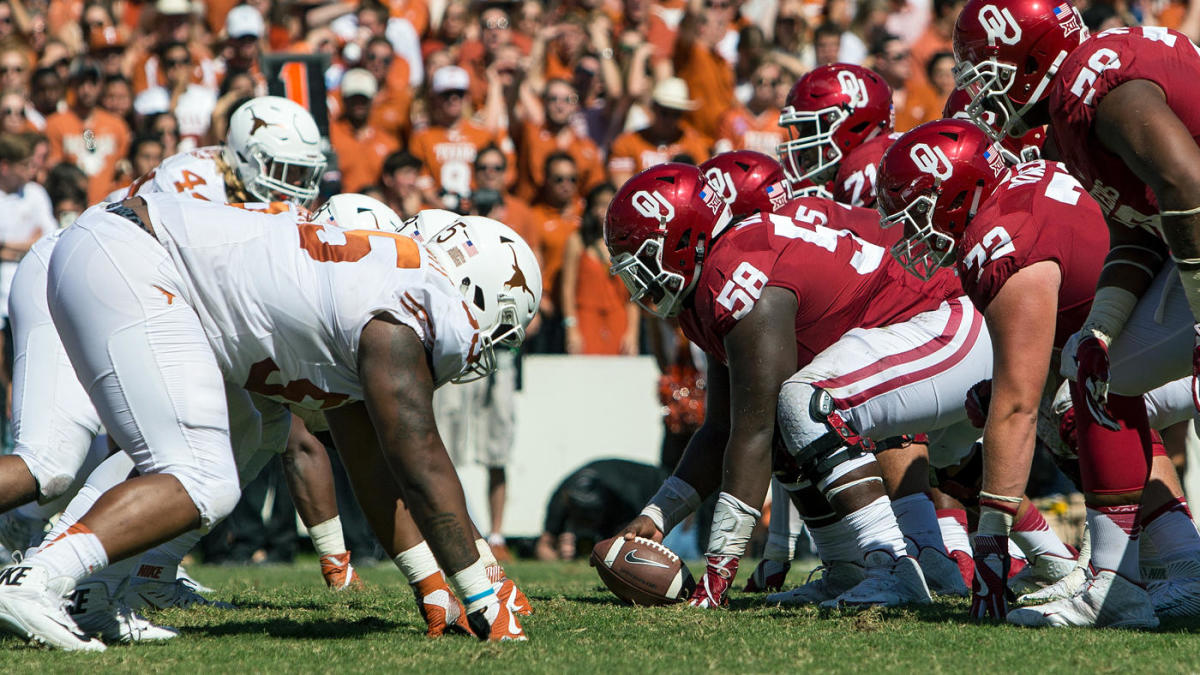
(631, 558)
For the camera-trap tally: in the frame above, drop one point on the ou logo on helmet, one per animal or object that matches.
(653, 205)
(722, 182)
(854, 87)
(931, 160)
(999, 24)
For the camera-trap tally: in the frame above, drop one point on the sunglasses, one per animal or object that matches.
(899, 56)
(564, 178)
(12, 111)
(97, 24)
(386, 58)
(453, 93)
(497, 168)
(497, 24)
(569, 98)
(171, 63)
(4, 70)
(766, 83)
(5, 19)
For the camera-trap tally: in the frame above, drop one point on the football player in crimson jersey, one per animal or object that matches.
(1121, 114)
(359, 324)
(1024, 149)
(854, 183)
(808, 326)
(830, 111)
(751, 183)
(1029, 249)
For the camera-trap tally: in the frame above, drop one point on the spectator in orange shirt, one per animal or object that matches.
(914, 101)
(558, 213)
(87, 136)
(940, 73)
(491, 165)
(666, 137)
(360, 147)
(560, 105)
(449, 145)
(597, 314)
(755, 126)
(495, 31)
(390, 107)
(937, 35)
(245, 28)
(698, 62)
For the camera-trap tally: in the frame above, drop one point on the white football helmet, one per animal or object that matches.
(359, 212)
(498, 276)
(276, 148)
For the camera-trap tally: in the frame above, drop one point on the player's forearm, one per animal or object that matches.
(1008, 444)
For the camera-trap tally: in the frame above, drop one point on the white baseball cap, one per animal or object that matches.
(244, 21)
(450, 78)
(173, 7)
(359, 82)
(673, 93)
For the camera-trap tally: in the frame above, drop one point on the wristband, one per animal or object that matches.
(673, 502)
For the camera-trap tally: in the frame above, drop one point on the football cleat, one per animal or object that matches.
(339, 573)
(506, 588)
(438, 606)
(836, 578)
(1179, 593)
(1107, 600)
(182, 573)
(34, 606)
(18, 534)
(966, 566)
(942, 572)
(1045, 571)
(768, 576)
(1063, 588)
(497, 622)
(95, 613)
(713, 589)
(148, 594)
(888, 582)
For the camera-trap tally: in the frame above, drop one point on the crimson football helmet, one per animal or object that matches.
(1008, 52)
(658, 228)
(932, 181)
(750, 182)
(1024, 149)
(830, 111)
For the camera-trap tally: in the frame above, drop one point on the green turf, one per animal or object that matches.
(287, 622)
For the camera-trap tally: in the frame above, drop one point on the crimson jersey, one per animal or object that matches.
(840, 281)
(1096, 67)
(862, 222)
(1040, 212)
(855, 180)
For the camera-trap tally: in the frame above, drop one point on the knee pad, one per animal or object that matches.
(817, 436)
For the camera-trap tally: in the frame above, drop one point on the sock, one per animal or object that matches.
(327, 537)
(836, 543)
(953, 524)
(874, 527)
(1115, 539)
(494, 571)
(1172, 533)
(161, 563)
(1033, 534)
(733, 523)
(116, 576)
(1015, 552)
(918, 522)
(496, 539)
(472, 587)
(783, 530)
(416, 563)
(76, 554)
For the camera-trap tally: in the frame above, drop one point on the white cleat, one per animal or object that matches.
(888, 582)
(1045, 571)
(1063, 588)
(182, 573)
(1179, 593)
(1107, 600)
(34, 606)
(836, 578)
(96, 614)
(942, 573)
(165, 594)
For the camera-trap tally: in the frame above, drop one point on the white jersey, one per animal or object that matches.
(195, 173)
(283, 302)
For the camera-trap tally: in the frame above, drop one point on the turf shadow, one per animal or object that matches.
(322, 629)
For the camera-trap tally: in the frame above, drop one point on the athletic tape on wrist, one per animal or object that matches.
(733, 522)
(994, 518)
(673, 502)
(1110, 310)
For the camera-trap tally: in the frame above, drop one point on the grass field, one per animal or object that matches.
(287, 622)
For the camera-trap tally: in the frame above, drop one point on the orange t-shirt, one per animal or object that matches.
(601, 304)
(631, 152)
(916, 104)
(360, 154)
(710, 83)
(556, 229)
(416, 11)
(743, 130)
(448, 153)
(516, 214)
(930, 43)
(96, 153)
(537, 143)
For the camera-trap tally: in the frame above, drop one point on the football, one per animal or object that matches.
(642, 572)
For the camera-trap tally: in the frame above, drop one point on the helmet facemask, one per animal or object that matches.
(811, 152)
(922, 250)
(298, 178)
(988, 83)
(508, 332)
(654, 289)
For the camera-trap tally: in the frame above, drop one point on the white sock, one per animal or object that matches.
(161, 563)
(75, 555)
(472, 587)
(1015, 551)
(327, 537)
(875, 528)
(1115, 539)
(1033, 534)
(836, 543)
(494, 571)
(954, 534)
(1174, 536)
(918, 522)
(733, 523)
(785, 526)
(416, 563)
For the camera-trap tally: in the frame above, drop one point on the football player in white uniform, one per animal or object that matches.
(159, 302)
